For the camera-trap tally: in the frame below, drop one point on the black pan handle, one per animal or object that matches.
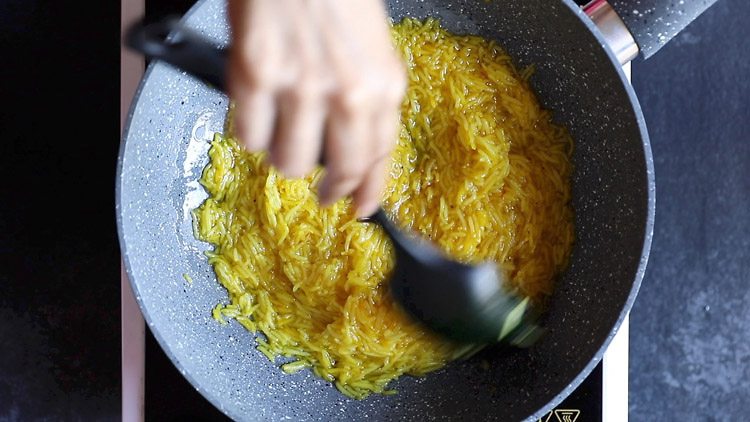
(654, 22)
(181, 47)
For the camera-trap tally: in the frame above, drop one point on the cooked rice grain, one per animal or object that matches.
(479, 169)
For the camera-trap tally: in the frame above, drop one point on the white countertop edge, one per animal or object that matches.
(133, 336)
(615, 376)
(615, 363)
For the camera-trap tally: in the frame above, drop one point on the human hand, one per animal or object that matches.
(312, 76)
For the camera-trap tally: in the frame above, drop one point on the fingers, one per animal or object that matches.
(364, 110)
(302, 103)
(358, 152)
(297, 143)
(299, 70)
(346, 149)
(254, 77)
(255, 115)
(367, 196)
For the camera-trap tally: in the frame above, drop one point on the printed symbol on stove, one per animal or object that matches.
(562, 415)
(567, 415)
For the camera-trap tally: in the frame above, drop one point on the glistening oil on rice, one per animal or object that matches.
(480, 169)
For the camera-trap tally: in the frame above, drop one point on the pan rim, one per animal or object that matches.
(588, 368)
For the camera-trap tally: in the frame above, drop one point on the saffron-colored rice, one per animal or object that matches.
(479, 169)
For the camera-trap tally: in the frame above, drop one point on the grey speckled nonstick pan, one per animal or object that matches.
(577, 76)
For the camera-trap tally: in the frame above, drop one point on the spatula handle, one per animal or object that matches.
(181, 47)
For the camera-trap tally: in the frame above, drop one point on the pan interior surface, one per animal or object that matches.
(164, 151)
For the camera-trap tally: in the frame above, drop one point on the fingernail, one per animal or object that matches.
(272, 158)
(245, 136)
(240, 132)
(283, 168)
(324, 192)
(289, 172)
(367, 209)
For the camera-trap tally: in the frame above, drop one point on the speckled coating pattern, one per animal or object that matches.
(654, 22)
(163, 152)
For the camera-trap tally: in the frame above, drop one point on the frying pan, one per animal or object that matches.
(164, 150)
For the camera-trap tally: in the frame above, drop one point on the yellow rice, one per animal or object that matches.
(479, 168)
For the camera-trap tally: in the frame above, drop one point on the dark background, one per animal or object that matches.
(59, 258)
